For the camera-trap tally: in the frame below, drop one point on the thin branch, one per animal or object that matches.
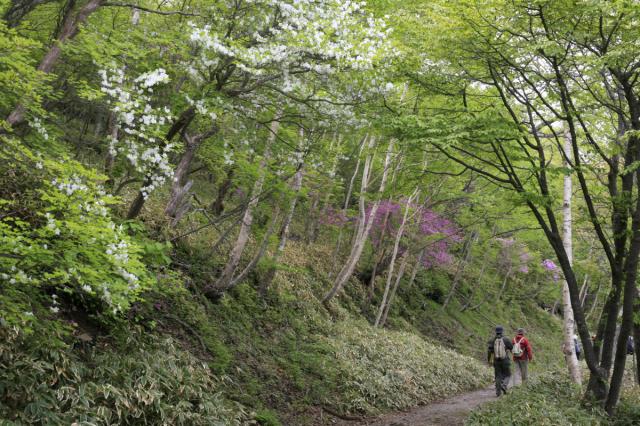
(157, 12)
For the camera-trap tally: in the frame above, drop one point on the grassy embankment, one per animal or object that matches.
(180, 358)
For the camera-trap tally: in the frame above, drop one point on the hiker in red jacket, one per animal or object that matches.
(522, 354)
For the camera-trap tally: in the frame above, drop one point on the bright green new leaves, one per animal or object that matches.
(19, 80)
(57, 234)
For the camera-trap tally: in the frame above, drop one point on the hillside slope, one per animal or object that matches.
(284, 359)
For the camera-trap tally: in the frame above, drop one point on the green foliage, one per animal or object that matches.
(549, 399)
(392, 370)
(148, 381)
(19, 80)
(628, 410)
(552, 399)
(56, 234)
(267, 418)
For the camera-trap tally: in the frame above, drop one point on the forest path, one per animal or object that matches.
(449, 412)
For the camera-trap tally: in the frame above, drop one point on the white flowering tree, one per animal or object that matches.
(252, 56)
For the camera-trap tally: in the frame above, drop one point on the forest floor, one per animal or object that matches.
(449, 412)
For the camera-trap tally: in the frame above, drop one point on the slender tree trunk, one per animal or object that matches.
(177, 206)
(399, 276)
(312, 217)
(630, 291)
(607, 324)
(365, 223)
(245, 226)
(284, 231)
(584, 292)
(179, 125)
(394, 255)
(504, 282)
(374, 272)
(567, 311)
(70, 26)
(315, 228)
(594, 304)
(627, 316)
(416, 268)
(259, 255)
(636, 344)
(460, 269)
(217, 207)
(112, 127)
(347, 199)
(478, 284)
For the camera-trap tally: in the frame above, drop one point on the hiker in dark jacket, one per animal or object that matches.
(498, 355)
(522, 356)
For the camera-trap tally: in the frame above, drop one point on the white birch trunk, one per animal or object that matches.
(364, 224)
(568, 329)
(247, 219)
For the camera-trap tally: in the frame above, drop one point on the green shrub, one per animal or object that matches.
(57, 235)
(147, 382)
(628, 410)
(549, 399)
(391, 370)
(267, 418)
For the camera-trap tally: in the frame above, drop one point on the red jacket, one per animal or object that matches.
(527, 352)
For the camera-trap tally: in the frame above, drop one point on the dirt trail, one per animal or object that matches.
(450, 412)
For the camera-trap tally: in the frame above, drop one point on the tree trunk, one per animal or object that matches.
(180, 186)
(374, 272)
(312, 217)
(315, 228)
(629, 296)
(416, 268)
(347, 198)
(177, 205)
(217, 207)
(68, 31)
(567, 311)
(478, 284)
(636, 345)
(504, 282)
(180, 124)
(584, 291)
(460, 269)
(254, 262)
(365, 223)
(594, 304)
(607, 323)
(112, 127)
(245, 226)
(284, 231)
(387, 306)
(396, 246)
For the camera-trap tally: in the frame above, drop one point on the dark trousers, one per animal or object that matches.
(502, 370)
